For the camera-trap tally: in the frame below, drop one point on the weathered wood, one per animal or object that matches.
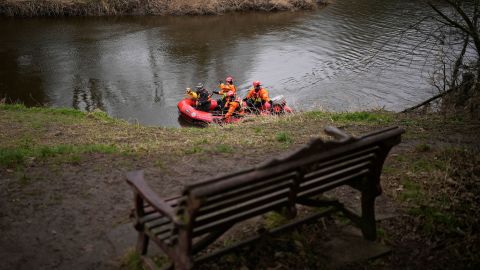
(186, 225)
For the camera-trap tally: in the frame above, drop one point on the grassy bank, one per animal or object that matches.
(43, 132)
(29, 8)
(52, 159)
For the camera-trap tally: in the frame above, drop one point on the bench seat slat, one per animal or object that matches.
(157, 223)
(151, 214)
(150, 217)
(165, 229)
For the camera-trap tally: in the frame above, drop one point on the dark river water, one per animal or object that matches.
(351, 55)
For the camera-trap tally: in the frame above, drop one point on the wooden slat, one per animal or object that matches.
(332, 184)
(276, 205)
(324, 179)
(239, 200)
(157, 223)
(259, 183)
(323, 170)
(151, 213)
(166, 228)
(150, 217)
(245, 194)
(242, 207)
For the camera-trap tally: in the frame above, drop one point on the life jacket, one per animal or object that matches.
(224, 88)
(203, 95)
(258, 96)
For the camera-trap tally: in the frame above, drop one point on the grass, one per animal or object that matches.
(11, 157)
(376, 117)
(132, 260)
(224, 148)
(284, 137)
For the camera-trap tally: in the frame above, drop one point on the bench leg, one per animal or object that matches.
(142, 243)
(369, 227)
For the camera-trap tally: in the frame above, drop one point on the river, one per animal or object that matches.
(351, 55)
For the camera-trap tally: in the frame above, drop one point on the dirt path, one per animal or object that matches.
(61, 216)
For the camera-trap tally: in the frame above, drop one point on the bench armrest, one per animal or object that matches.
(136, 180)
(337, 133)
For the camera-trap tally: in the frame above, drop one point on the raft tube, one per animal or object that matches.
(186, 108)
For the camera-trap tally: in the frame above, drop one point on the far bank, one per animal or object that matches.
(31, 8)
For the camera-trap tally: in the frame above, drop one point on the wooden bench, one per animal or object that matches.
(185, 225)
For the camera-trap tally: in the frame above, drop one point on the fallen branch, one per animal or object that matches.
(428, 100)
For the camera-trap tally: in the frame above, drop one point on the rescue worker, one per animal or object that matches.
(233, 105)
(224, 89)
(191, 94)
(203, 98)
(257, 96)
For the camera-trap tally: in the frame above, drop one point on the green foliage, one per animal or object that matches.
(283, 137)
(132, 260)
(53, 111)
(16, 156)
(257, 129)
(224, 148)
(358, 117)
(423, 147)
(370, 117)
(427, 164)
(193, 150)
(412, 191)
(102, 116)
(435, 220)
(9, 157)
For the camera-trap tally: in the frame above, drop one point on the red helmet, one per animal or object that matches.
(229, 79)
(256, 84)
(230, 94)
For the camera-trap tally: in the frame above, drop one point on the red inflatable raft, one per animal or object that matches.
(187, 110)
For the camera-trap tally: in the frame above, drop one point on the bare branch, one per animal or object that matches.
(447, 19)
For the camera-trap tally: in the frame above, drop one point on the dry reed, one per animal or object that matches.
(29, 8)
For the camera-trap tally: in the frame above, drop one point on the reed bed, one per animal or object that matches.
(31, 8)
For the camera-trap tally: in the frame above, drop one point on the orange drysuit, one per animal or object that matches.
(261, 95)
(232, 107)
(225, 87)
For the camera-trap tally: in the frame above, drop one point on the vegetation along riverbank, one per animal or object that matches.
(65, 203)
(29, 8)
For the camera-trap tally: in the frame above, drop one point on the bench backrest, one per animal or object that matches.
(239, 198)
(309, 171)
